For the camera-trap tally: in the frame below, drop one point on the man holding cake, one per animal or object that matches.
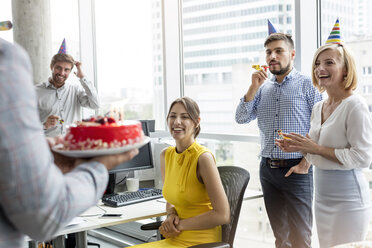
(35, 197)
(282, 103)
(60, 103)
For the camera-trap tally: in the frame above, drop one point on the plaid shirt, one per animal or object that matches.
(286, 106)
(35, 197)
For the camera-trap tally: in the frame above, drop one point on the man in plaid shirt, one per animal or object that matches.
(282, 103)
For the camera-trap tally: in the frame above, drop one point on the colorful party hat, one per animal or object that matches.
(335, 35)
(62, 48)
(271, 27)
(6, 25)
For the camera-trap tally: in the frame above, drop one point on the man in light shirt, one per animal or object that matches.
(59, 103)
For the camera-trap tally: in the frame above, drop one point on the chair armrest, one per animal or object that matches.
(151, 226)
(212, 245)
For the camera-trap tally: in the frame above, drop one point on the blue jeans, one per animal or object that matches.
(288, 202)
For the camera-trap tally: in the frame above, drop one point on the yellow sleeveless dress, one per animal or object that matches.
(190, 198)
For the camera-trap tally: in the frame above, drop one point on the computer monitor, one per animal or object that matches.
(143, 160)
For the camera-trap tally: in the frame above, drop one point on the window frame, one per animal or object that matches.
(306, 43)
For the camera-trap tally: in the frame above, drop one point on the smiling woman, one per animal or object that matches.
(339, 145)
(184, 121)
(334, 63)
(196, 201)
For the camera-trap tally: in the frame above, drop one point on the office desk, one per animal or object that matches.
(251, 194)
(143, 210)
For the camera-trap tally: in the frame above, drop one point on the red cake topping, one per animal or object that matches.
(103, 133)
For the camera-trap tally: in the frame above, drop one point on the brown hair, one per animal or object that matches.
(60, 57)
(280, 36)
(192, 109)
(351, 79)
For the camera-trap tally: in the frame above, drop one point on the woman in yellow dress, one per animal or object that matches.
(197, 205)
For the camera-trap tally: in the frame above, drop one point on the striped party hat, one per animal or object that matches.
(335, 35)
(63, 49)
(271, 27)
(6, 25)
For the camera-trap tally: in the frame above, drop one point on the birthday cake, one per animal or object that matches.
(102, 133)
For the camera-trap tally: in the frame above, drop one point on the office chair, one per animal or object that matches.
(234, 180)
(70, 242)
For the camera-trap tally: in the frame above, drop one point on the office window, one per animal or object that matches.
(356, 27)
(280, 19)
(220, 54)
(367, 89)
(191, 79)
(6, 15)
(227, 77)
(210, 78)
(129, 64)
(65, 28)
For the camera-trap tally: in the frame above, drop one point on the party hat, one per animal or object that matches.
(271, 27)
(62, 48)
(335, 35)
(6, 25)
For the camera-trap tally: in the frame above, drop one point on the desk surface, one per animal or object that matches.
(144, 210)
(361, 244)
(250, 194)
(138, 211)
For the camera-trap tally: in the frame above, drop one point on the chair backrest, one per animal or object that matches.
(235, 181)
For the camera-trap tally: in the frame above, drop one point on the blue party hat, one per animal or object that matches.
(271, 27)
(63, 49)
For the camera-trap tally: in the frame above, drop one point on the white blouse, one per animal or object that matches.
(348, 129)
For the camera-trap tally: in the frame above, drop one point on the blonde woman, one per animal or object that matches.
(339, 145)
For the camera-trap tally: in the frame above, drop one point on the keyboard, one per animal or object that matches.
(128, 198)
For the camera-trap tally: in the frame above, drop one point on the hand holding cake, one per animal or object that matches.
(98, 133)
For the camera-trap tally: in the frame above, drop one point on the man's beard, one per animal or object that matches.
(56, 80)
(282, 71)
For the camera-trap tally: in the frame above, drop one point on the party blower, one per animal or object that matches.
(6, 25)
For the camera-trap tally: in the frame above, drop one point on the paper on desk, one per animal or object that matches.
(76, 221)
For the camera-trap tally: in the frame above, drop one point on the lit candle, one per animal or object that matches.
(111, 111)
(122, 113)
